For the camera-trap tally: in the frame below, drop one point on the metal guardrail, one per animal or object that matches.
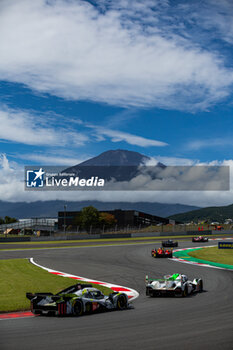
(30, 223)
(95, 236)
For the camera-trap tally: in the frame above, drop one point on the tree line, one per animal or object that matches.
(91, 217)
(7, 220)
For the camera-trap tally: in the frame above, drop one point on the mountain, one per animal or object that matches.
(117, 157)
(23, 210)
(219, 214)
(122, 165)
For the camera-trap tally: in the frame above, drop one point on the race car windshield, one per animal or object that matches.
(97, 295)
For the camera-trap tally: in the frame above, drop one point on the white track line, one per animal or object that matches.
(131, 293)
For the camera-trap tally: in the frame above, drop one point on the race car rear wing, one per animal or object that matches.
(30, 296)
(70, 289)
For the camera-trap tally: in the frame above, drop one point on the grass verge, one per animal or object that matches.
(99, 240)
(18, 276)
(221, 256)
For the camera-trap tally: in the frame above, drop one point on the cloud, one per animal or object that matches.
(122, 54)
(170, 161)
(175, 178)
(216, 17)
(49, 159)
(12, 189)
(118, 136)
(31, 129)
(209, 143)
(41, 130)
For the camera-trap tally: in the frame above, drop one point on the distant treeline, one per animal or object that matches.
(7, 220)
(209, 214)
(90, 216)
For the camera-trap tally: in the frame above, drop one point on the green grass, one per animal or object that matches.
(221, 256)
(18, 276)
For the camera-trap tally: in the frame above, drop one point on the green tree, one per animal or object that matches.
(89, 217)
(9, 220)
(107, 219)
(77, 220)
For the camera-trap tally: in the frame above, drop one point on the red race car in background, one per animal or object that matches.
(200, 239)
(161, 253)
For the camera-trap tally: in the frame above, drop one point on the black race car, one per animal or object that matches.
(169, 243)
(76, 300)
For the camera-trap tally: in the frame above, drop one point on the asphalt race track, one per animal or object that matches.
(201, 321)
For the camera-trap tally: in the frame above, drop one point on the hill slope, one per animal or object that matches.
(50, 208)
(219, 214)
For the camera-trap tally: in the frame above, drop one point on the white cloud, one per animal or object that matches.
(118, 136)
(176, 178)
(30, 129)
(209, 143)
(49, 159)
(101, 132)
(41, 130)
(12, 189)
(170, 161)
(70, 49)
(216, 16)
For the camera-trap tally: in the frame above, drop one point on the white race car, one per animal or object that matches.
(173, 285)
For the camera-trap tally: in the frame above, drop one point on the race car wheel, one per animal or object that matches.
(201, 286)
(88, 307)
(185, 292)
(121, 302)
(150, 292)
(78, 308)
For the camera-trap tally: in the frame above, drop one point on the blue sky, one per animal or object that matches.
(81, 77)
